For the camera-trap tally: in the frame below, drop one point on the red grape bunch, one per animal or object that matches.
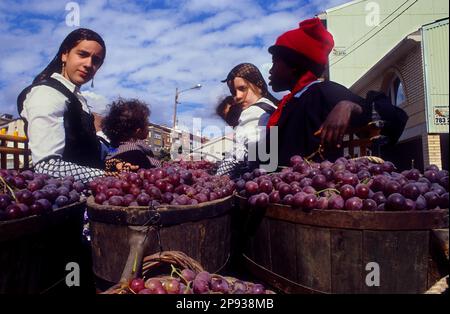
(189, 282)
(27, 193)
(170, 185)
(347, 185)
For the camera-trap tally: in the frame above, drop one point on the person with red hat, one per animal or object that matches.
(299, 58)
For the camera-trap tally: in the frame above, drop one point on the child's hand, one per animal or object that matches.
(126, 166)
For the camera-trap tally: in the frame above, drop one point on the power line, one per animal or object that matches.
(374, 34)
(373, 28)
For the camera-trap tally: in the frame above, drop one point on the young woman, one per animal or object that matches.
(250, 92)
(126, 126)
(58, 122)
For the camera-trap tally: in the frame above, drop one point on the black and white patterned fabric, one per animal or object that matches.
(58, 168)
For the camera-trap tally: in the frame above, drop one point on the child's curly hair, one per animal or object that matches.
(125, 117)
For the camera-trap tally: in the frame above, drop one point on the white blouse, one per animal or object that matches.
(44, 109)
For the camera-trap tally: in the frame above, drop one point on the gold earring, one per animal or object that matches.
(63, 68)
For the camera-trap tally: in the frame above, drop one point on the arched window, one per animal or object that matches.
(396, 92)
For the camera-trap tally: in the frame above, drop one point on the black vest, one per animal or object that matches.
(82, 146)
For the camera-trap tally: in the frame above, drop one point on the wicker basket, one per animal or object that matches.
(158, 265)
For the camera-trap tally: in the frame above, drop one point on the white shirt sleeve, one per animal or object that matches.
(44, 109)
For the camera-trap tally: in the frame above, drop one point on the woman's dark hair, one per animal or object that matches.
(125, 117)
(68, 43)
(233, 114)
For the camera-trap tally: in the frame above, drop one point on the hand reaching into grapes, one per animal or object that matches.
(115, 166)
(333, 129)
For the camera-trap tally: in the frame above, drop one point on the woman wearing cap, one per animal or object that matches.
(299, 58)
(249, 90)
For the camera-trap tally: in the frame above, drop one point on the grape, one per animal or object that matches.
(444, 182)
(251, 187)
(262, 200)
(431, 175)
(288, 199)
(421, 203)
(350, 178)
(61, 201)
(188, 274)
(298, 199)
(172, 286)
(266, 186)
(437, 188)
(354, 203)
(328, 173)
(5, 201)
(309, 202)
(336, 202)
(296, 159)
(154, 192)
(45, 203)
(201, 197)
(257, 289)
(274, 197)
(347, 191)
(392, 187)
(100, 198)
(137, 285)
(78, 186)
(152, 284)
(432, 199)
(143, 199)
(395, 201)
(410, 204)
(239, 287)
(116, 200)
(322, 203)
(362, 191)
(413, 174)
(369, 205)
(379, 197)
(26, 197)
(378, 183)
(13, 212)
(309, 190)
(284, 189)
(411, 191)
(319, 181)
(200, 286)
(112, 192)
(37, 209)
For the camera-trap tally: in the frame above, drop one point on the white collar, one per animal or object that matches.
(71, 86)
(299, 93)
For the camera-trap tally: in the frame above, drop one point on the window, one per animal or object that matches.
(157, 135)
(396, 92)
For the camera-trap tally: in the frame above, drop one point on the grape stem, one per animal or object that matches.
(5, 185)
(328, 189)
(319, 152)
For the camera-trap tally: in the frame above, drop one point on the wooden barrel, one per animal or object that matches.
(331, 251)
(201, 231)
(36, 249)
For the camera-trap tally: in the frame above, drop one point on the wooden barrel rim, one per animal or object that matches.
(12, 229)
(360, 220)
(168, 215)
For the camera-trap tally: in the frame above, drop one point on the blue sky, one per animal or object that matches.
(152, 47)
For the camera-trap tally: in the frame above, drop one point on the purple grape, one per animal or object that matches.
(288, 199)
(410, 204)
(200, 286)
(432, 199)
(395, 202)
(354, 203)
(61, 201)
(369, 205)
(309, 202)
(421, 203)
(411, 191)
(336, 202)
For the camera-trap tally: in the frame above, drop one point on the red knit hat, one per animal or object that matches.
(311, 39)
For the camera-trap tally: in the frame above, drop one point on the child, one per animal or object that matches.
(126, 126)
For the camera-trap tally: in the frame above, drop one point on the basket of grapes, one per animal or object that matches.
(182, 275)
(41, 221)
(300, 223)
